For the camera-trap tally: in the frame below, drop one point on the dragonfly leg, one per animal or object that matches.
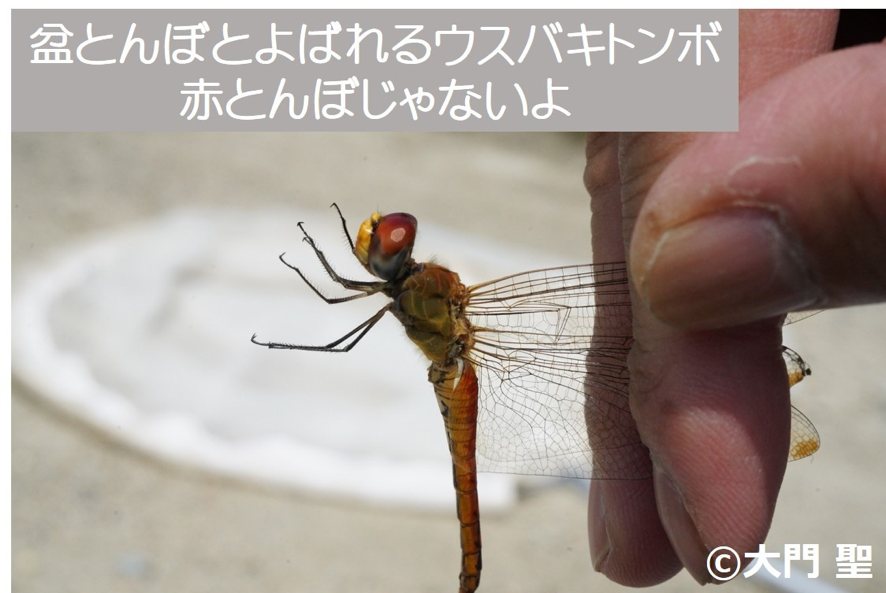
(365, 288)
(344, 224)
(363, 328)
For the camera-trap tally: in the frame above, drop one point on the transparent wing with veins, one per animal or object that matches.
(550, 348)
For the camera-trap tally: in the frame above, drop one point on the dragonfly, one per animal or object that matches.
(529, 371)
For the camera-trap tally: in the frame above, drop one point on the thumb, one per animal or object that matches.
(789, 213)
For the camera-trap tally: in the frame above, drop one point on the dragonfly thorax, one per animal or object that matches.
(430, 305)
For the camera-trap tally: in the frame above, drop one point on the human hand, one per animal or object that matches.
(727, 232)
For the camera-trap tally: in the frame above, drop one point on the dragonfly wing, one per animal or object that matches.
(551, 352)
(795, 316)
(804, 437)
(796, 366)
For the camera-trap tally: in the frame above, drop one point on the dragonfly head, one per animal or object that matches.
(384, 243)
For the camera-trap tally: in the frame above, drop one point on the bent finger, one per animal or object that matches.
(627, 541)
(789, 213)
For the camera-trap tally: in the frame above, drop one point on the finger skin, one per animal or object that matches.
(714, 410)
(811, 160)
(627, 540)
(772, 42)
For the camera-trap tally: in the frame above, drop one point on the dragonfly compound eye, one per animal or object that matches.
(391, 244)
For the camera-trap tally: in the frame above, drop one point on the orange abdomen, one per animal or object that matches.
(456, 389)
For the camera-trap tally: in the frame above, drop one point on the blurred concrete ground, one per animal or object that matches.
(92, 515)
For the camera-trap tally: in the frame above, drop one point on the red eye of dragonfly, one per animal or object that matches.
(391, 244)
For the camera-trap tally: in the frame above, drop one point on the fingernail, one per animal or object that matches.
(725, 269)
(680, 527)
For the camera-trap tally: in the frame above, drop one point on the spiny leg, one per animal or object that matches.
(368, 288)
(344, 225)
(363, 286)
(363, 328)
